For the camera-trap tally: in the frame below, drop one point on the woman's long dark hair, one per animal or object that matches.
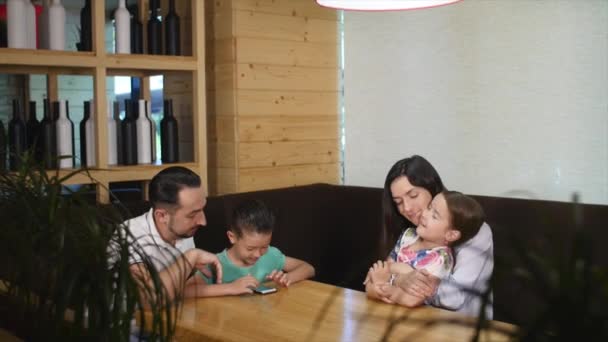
(419, 172)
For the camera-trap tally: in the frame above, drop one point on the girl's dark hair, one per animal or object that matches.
(466, 215)
(165, 186)
(252, 216)
(419, 172)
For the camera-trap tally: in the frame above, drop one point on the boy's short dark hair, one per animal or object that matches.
(466, 215)
(252, 216)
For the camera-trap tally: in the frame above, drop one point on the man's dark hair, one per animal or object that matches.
(252, 216)
(166, 185)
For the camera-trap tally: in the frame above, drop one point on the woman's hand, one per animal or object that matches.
(243, 285)
(394, 294)
(418, 283)
(380, 272)
(279, 277)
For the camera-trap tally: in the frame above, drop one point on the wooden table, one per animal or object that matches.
(312, 311)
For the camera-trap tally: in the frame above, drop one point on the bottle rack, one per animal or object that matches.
(100, 64)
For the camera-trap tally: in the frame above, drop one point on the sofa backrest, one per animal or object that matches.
(336, 229)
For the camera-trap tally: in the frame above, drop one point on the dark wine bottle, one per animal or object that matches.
(48, 138)
(83, 135)
(32, 131)
(2, 148)
(168, 135)
(86, 41)
(119, 140)
(172, 34)
(154, 30)
(17, 142)
(137, 30)
(129, 135)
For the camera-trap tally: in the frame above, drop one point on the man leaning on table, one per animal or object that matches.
(165, 232)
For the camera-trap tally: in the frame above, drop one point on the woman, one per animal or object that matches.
(409, 188)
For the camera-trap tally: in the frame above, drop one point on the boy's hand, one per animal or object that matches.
(244, 285)
(279, 277)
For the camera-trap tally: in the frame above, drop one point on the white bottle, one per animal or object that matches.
(43, 26)
(65, 139)
(15, 25)
(30, 22)
(56, 25)
(89, 129)
(112, 139)
(144, 141)
(122, 22)
(152, 130)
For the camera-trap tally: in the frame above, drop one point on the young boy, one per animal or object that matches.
(251, 260)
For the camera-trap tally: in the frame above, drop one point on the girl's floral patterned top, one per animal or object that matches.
(438, 261)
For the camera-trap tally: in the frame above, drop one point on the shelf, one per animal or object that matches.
(47, 59)
(123, 63)
(119, 173)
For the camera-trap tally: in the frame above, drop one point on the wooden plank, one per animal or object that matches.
(51, 86)
(282, 153)
(48, 58)
(281, 52)
(150, 62)
(296, 8)
(222, 181)
(223, 76)
(278, 177)
(42, 70)
(221, 128)
(222, 154)
(222, 22)
(221, 51)
(283, 102)
(270, 77)
(270, 26)
(287, 128)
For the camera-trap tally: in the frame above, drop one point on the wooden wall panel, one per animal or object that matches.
(286, 102)
(307, 9)
(287, 128)
(280, 52)
(278, 177)
(271, 77)
(279, 27)
(281, 153)
(273, 94)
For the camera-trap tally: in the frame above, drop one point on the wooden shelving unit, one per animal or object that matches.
(100, 65)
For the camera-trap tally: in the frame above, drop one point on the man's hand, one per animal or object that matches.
(279, 277)
(244, 285)
(418, 283)
(200, 259)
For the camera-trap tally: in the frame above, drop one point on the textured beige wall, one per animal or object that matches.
(505, 98)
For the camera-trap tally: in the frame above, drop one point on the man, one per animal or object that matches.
(165, 233)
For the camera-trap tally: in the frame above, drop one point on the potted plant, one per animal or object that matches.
(56, 278)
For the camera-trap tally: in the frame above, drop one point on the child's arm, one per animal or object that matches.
(197, 287)
(294, 271)
(395, 294)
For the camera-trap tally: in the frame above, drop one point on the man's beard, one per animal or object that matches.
(176, 234)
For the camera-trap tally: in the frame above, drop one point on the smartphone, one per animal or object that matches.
(264, 289)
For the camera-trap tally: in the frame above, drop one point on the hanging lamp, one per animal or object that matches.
(383, 5)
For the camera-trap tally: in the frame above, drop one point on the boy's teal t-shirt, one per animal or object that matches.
(272, 260)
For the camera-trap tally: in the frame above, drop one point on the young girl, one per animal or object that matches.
(251, 260)
(451, 219)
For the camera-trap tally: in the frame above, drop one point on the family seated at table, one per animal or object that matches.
(446, 261)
